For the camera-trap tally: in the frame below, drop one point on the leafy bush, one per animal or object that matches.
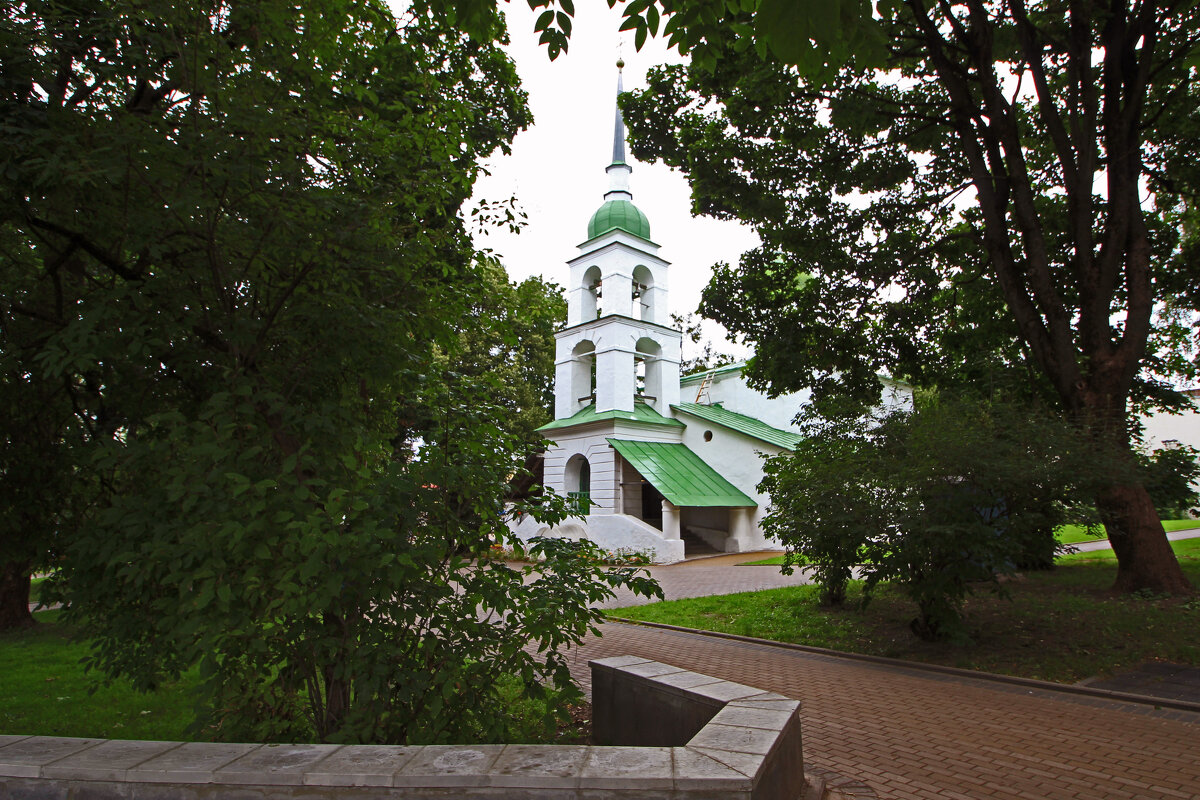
(938, 500)
(288, 363)
(1170, 474)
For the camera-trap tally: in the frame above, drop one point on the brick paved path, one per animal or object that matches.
(713, 575)
(913, 735)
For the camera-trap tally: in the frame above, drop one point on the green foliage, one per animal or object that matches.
(506, 342)
(1058, 626)
(708, 358)
(928, 221)
(1170, 475)
(937, 500)
(804, 32)
(238, 257)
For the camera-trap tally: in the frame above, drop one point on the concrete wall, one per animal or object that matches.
(746, 747)
(738, 458)
(615, 339)
(730, 390)
(611, 532)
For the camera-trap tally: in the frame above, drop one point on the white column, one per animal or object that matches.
(565, 402)
(739, 529)
(616, 380)
(670, 528)
(618, 294)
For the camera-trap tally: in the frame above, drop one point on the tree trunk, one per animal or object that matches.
(14, 596)
(1145, 560)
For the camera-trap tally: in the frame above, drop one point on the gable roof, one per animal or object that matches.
(696, 377)
(641, 413)
(742, 424)
(681, 475)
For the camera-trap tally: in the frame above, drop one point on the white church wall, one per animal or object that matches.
(601, 461)
(615, 341)
(1184, 428)
(612, 532)
(614, 258)
(732, 392)
(593, 444)
(1161, 428)
(738, 458)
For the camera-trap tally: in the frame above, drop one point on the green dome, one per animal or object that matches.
(619, 214)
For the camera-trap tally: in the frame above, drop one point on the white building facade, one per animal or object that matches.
(651, 462)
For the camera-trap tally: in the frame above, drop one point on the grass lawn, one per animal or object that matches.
(1060, 625)
(45, 691)
(1184, 548)
(1067, 534)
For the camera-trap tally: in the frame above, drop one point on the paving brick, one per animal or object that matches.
(890, 727)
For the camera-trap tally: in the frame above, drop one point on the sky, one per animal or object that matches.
(556, 169)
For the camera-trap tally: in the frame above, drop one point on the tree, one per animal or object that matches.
(975, 195)
(241, 226)
(707, 358)
(940, 500)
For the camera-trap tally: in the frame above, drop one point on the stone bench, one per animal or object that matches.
(660, 732)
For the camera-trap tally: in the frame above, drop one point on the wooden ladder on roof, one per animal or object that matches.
(704, 386)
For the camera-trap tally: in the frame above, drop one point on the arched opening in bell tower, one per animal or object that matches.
(648, 357)
(591, 296)
(643, 296)
(583, 372)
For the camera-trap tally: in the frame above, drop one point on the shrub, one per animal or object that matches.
(937, 500)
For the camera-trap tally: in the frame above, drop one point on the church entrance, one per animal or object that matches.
(652, 511)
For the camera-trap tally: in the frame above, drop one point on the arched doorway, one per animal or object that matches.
(579, 485)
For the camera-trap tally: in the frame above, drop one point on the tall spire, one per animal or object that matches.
(618, 171)
(619, 127)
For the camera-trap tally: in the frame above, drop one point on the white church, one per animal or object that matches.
(651, 461)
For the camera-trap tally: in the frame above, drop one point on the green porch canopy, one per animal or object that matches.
(681, 475)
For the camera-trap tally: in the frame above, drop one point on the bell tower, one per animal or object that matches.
(617, 348)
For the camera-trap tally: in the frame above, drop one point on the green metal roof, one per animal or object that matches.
(742, 424)
(696, 377)
(681, 475)
(620, 214)
(641, 413)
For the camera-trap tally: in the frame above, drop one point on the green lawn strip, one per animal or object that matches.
(774, 561)
(1067, 534)
(1073, 534)
(1060, 625)
(46, 692)
(1184, 548)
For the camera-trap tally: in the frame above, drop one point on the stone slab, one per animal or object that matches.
(615, 662)
(9, 738)
(685, 680)
(752, 718)
(725, 691)
(25, 758)
(275, 764)
(746, 764)
(735, 738)
(694, 770)
(361, 765)
(449, 766)
(788, 706)
(107, 761)
(651, 669)
(539, 766)
(191, 762)
(627, 768)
